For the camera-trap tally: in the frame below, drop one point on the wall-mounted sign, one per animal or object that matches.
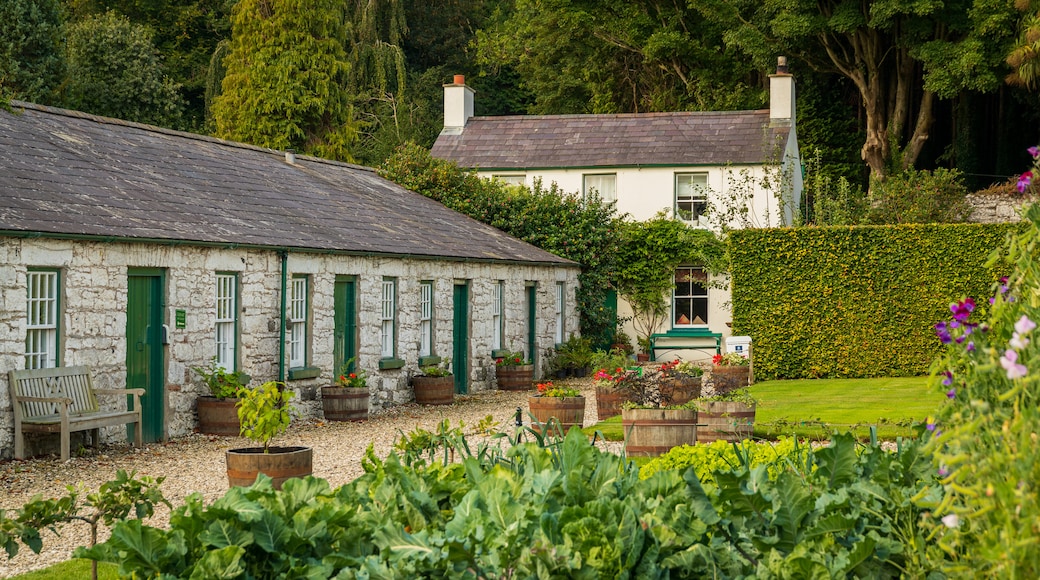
(181, 318)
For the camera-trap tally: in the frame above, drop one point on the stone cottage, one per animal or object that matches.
(144, 252)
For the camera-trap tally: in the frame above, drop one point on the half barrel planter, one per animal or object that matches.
(515, 377)
(609, 401)
(434, 390)
(344, 403)
(728, 378)
(725, 420)
(684, 388)
(280, 464)
(566, 412)
(654, 432)
(218, 416)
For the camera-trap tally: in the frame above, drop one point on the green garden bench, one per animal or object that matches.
(685, 339)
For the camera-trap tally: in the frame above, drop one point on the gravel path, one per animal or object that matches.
(196, 463)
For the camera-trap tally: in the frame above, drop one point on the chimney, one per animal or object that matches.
(781, 95)
(458, 105)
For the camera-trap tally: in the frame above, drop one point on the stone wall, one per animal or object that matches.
(94, 302)
(994, 209)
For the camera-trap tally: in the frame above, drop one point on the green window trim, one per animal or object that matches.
(425, 361)
(387, 364)
(304, 373)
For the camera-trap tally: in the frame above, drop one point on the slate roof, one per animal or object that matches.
(63, 172)
(624, 140)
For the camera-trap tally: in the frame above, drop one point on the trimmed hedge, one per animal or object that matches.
(856, 301)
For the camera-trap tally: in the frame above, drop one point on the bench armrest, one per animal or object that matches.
(138, 392)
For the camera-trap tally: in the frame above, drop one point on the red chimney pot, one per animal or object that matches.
(459, 79)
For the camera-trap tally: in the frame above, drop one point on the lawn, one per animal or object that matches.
(814, 408)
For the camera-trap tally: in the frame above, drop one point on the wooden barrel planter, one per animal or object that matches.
(344, 403)
(568, 412)
(434, 390)
(280, 464)
(653, 432)
(684, 389)
(726, 420)
(730, 377)
(515, 377)
(609, 401)
(218, 416)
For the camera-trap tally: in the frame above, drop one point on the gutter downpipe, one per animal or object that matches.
(281, 322)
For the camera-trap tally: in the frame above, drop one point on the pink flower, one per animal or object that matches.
(1024, 325)
(1024, 181)
(1034, 151)
(1010, 363)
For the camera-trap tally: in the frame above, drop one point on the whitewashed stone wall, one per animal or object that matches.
(94, 303)
(994, 209)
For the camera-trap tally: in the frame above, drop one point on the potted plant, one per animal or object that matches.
(435, 385)
(563, 406)
(347, 399)
(580, 355)
(514, 372)
(651, 422)
(607, 379)
(265, 412)
(218, 414)
(681, 380)
(729, 372)
(729, 416)
(622, 342)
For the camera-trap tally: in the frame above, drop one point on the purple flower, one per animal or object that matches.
(943, 472)
(949, 378)
(1024, 181)
(930, 424)
(1010, 363)
(951, 394)
(970, 347)
(943, 332)
(1034, 151)
(962, 310)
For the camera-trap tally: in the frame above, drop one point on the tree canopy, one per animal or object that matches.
(32, 63)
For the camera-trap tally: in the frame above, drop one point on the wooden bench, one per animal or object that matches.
(63, 400)
(685, 339)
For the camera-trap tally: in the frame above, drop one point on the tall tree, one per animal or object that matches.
(286, 81)
(901, 55)
(115, 70)
(603, 56)
(32, 62)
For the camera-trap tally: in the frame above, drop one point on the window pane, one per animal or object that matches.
(225, 322)
(605, 185)
(690, 297)
(41, 320)
(426, 319)
(691, 196)
(388, 312)
(496, 315)
(559, 313)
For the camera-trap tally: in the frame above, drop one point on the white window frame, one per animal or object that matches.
(561, 292)
(676, 297)
(498, 308)
(426, 318)
(598, 181)
(41, 318)
(298, 318)
(513, 179)
(225, 325)
(388, 318)
(691, 198)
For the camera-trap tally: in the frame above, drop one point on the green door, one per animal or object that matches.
(460, 340)
(144, 349)
(531, 292)
(344, 345)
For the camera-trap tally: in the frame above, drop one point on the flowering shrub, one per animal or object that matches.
(985, 508)
(730, 359)
(681, 368)
(512, 359)
(547, 389)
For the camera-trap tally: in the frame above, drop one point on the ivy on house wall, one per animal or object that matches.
(856, 301)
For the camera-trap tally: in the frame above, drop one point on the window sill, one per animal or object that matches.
(299, 373)
(390, 363)
(500, 353)
(426, 361)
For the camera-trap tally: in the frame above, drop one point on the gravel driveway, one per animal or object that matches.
(196, 463)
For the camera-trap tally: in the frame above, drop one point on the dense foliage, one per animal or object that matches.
(32, 63)
(854, 302)
(986, 436)
(585, 231)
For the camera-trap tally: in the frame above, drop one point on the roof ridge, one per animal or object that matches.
(620, 115)
(16, 104)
